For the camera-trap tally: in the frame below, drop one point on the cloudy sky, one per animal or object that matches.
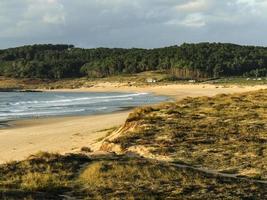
(132, 23)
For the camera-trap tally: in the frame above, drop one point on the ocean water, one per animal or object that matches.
(20, 105)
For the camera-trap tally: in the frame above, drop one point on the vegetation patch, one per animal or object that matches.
(224, 133)
(187, 61)
(137, 178)
(44, 176)
(52, 176)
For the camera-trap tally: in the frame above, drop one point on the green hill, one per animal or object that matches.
(203, 60)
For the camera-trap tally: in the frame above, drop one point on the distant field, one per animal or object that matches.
(241, 81)
(140, 79)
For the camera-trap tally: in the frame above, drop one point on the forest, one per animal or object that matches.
(202, 60)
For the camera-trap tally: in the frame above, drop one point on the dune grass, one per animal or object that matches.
(226, 133)
(43, 175)
(137, 178)
(52, 176)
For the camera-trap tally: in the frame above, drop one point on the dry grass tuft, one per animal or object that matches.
(142, 179)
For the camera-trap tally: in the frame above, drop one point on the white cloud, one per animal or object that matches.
(53, 19)
(30, 19)
(255, 7)
(47, 11)
(194, 20)
(52, 1)
(194, 6)
(248, 2)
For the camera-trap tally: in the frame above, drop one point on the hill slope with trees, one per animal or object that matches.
(203, 60)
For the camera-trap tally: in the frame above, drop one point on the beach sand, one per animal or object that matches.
(69, 134)
(57, 135)
(176, 91)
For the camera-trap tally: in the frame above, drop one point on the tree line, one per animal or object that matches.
(186, 61)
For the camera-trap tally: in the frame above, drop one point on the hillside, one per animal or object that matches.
(226, 133)
(188, 61)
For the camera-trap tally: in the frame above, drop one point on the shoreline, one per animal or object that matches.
(56, 135)
(24, 122)
(173, 91)
(70, 133)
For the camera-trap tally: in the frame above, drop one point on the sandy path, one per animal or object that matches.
(71, 133)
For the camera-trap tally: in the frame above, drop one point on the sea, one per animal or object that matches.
(28, 105)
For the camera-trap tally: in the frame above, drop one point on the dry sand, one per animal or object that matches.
(58, 135)
(68, 134)
(177, 91)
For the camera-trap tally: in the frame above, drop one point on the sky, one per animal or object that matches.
(132, 23)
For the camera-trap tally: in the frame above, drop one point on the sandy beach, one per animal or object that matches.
(68, 134)
(58, 135)
(175, 91)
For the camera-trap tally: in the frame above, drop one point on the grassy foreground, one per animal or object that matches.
(51, 176)
(226, 133)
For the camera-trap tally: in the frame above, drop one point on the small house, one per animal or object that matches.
(151, 80)
(192, 81)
